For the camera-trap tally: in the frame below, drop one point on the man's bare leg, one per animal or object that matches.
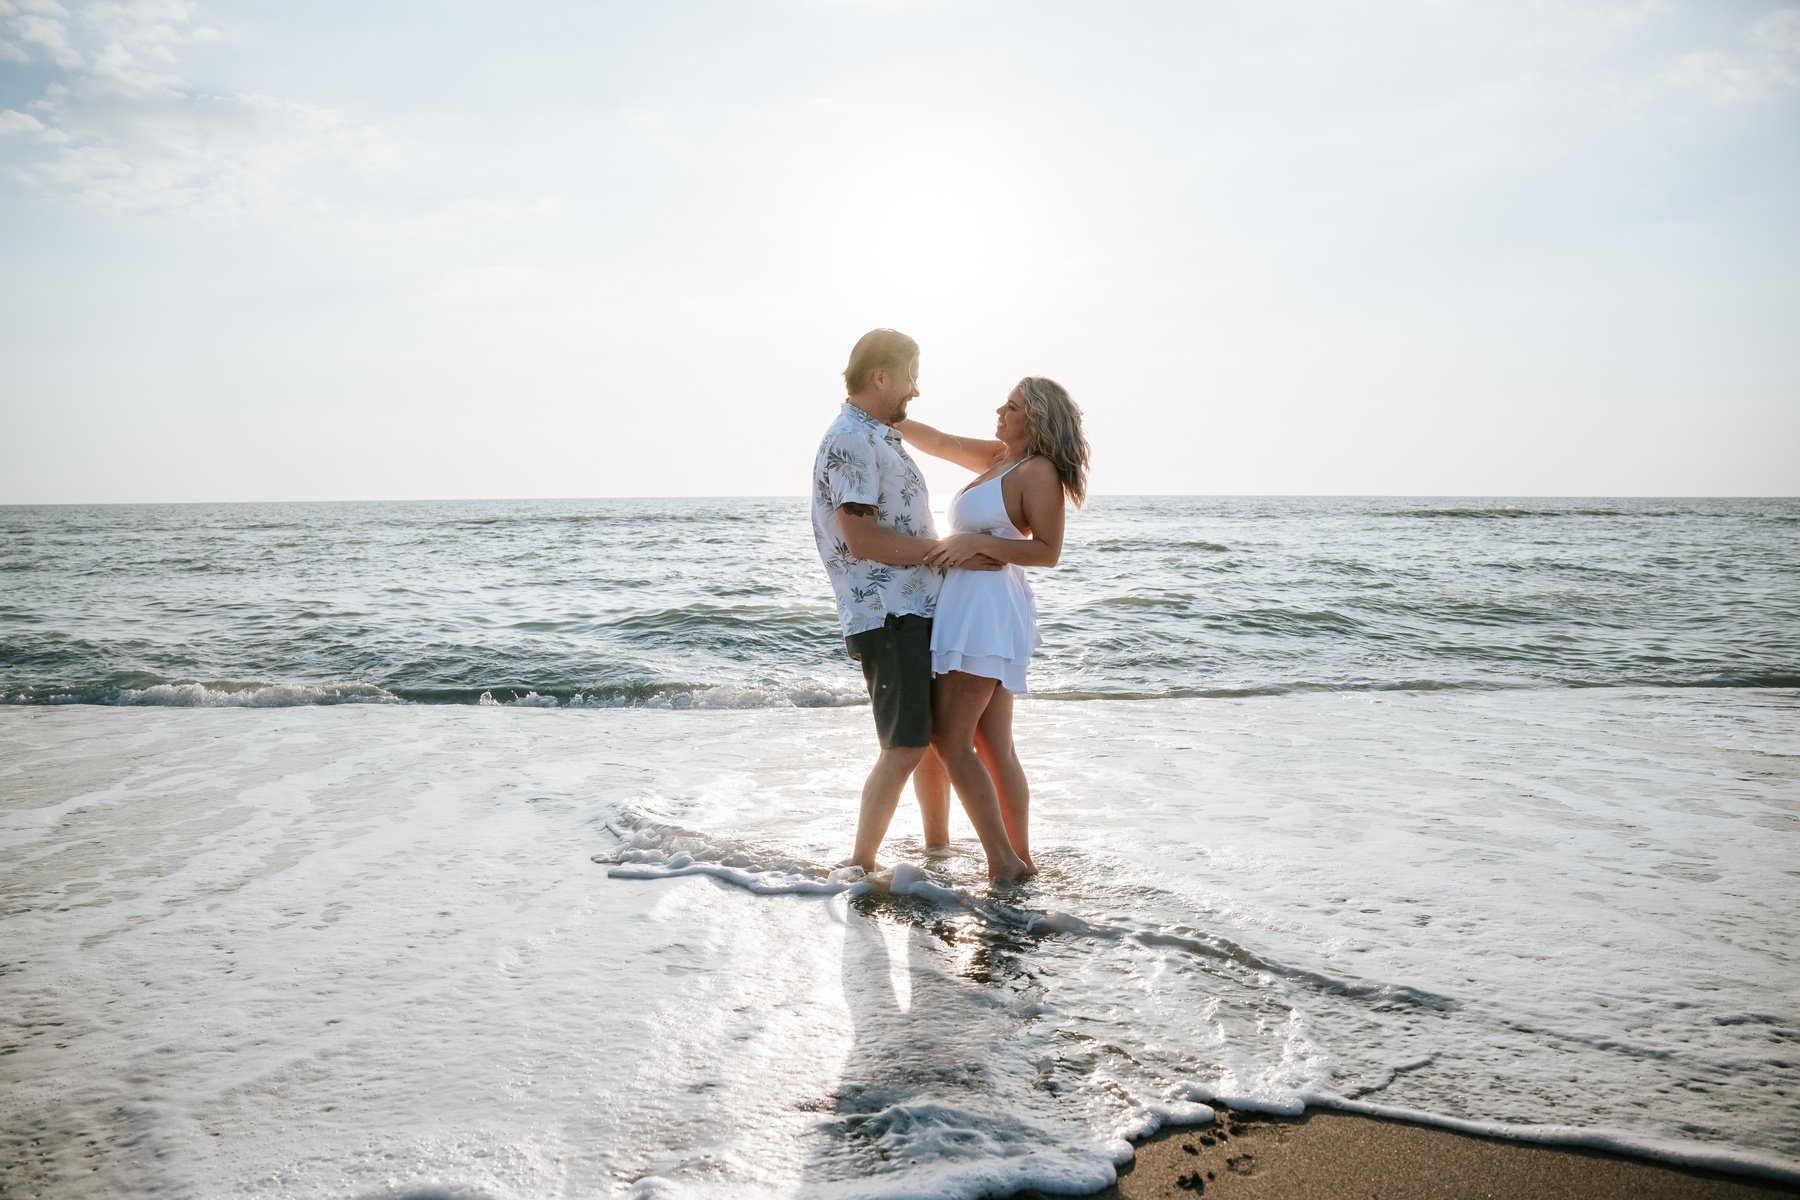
(932, 786)
(880, 797)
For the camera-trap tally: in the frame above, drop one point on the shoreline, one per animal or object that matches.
(1329, 1154)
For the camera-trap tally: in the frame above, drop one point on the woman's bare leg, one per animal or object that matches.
(957, 702)
(994, 743)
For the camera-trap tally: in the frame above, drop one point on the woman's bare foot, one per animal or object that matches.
(1010, 870)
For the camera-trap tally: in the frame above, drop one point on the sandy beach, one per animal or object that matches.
(1336, 1156)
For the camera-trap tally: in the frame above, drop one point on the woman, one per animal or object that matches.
(986, 623)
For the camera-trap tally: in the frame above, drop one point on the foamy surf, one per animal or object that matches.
(215, 694)
(649, 848)
(311, 950)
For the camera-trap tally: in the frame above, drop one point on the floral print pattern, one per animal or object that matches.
(862, 461)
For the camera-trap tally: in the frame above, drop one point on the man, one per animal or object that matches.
(872, 522)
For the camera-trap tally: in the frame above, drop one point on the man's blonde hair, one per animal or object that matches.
(878, 350)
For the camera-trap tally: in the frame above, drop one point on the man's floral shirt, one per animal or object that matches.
(862, 461)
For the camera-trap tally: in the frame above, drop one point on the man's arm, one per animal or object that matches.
(865, 539)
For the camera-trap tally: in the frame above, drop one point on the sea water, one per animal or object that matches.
(1476, 811)
(722, 602)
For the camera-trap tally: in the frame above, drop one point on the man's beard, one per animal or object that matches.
(900, 413)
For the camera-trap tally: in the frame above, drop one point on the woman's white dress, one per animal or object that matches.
(986, 622)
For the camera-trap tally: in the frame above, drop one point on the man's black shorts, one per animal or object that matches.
(896, 663)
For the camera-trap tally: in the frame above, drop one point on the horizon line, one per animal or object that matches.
(801, 497)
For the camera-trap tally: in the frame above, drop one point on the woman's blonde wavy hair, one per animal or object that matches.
(1056, 433)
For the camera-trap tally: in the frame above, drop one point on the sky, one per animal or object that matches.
(338, 250)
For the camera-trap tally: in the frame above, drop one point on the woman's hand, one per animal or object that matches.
(957, 550)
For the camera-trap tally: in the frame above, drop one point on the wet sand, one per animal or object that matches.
(1340, 1156)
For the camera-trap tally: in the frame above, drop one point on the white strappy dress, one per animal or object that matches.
(986, 622)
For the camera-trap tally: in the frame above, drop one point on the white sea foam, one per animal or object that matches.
(222, 695)
(329, 950)
(193, 694)
(701, 698)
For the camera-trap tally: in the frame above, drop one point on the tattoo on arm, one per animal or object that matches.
(858, 510)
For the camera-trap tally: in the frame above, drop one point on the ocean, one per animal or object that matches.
(491, 848)
(722, 603)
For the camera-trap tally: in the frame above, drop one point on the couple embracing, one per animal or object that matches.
(943, 629)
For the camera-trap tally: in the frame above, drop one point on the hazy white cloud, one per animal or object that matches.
(1766, 58)
(24, 124)
(160, 148)
(123, 130)
(32, 29)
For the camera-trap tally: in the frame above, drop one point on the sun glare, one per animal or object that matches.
(947, 227)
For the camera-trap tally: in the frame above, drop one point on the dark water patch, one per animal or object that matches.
(1772, 681)
(723, 618)
(1464, 514)
(1151, 542)
(1744, 679)
(1338, 566)
(1509, 512)
(1777, 679)
(1478, 612)
(1302, 623)
(611, 518)
(1294, 688)
(752, 587)
(1568, 566)
(1179, 600)
(1214, 566)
